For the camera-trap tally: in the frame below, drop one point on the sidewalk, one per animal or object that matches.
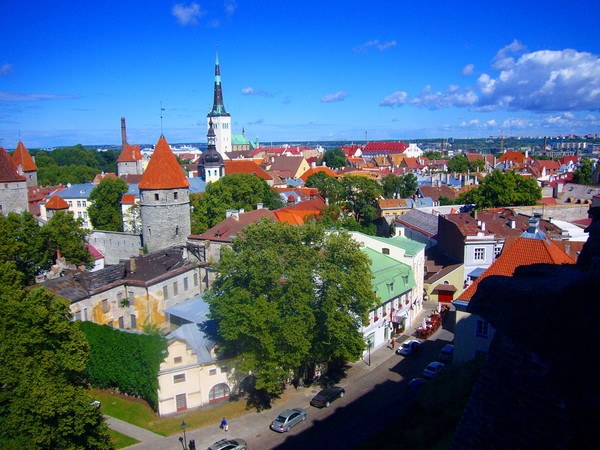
(248, 424)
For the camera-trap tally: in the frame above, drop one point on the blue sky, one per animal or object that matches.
(303, 70)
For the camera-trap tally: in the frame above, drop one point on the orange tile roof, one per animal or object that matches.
(130, 153)
(317, 169)
(522, 252)
(8, 170)
(392, 203)
(57, 202)
(163, 171)
(128, 199)
(246, 166)
(21, 157)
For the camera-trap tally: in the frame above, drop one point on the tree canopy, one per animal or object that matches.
(583, 173)
(458, 163)
(360, 195)
(403, 186)
(42, 358)
(105, 208)
(335, 158)
(33, 248)
(503, 189)
(235, 191)
(288, 296)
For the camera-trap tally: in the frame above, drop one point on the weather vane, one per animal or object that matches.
(161, 118)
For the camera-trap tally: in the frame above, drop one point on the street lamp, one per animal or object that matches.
(369, 351)
(183, 439)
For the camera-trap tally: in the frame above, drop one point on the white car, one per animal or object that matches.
(433, 369)
(409, 348)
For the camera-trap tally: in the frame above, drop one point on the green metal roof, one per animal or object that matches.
(239, 139)
(390, 277)
(408, 245)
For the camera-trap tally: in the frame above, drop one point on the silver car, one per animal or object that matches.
(288, 419)
(229, 444)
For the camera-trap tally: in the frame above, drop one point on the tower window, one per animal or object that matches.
(177, 231)
(156, 197)
(175, 194)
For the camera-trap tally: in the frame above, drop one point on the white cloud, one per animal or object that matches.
(5, 69)
(335, 97)
(187, 14)
(467, 70)
(15, 97)
(381, 46)
(452, 97)
(249, 90)
(397, 98)
(503, 59)
(230, 7)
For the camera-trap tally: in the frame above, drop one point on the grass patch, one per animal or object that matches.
(120, 440)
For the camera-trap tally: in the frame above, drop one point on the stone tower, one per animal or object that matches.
(56, 203)
(164, 200)
(211, 166)
(13, 186)
(25, 164)
(220, 118)
(130, 159)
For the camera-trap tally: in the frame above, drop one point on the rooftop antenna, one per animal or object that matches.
(161, 118)
(366, 139)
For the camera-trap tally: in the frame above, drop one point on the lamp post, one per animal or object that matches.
(369, 351)
(183, 439)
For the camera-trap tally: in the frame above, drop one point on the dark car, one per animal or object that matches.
(324, 398)
(414, 386)
(446, 354)
(229, 444)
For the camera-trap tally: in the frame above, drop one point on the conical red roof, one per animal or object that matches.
(130, 153)
(21, 157)
(163, 171)
(8, 170)
(57, 202)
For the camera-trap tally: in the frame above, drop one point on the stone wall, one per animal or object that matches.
(115, 245)
(13, 197)
(565, 212)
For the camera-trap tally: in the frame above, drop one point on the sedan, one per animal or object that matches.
(433, 369)
(409, 348)
(414, 386)
(229, 444)
(446, 353)
(326, 396)
(288, 419)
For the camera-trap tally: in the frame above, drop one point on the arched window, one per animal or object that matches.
(218, 393)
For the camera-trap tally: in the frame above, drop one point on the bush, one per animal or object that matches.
(126, 361)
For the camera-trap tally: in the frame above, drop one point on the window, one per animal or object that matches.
(179, 378)
(497, 251)
(119, 297)
(479, 254)
(177, 231)
(180, 402)
(175, 194)
(156, 197)
(77, 315)
(482, 329)
(78, 204)
(391, 287)
(224, 369)
(177, 360)
(84, 313)
(84, 204)
(131, 296)
(165, 292)
(105, 307)
(70, 203)
(133, 322)
(175, 289)
(218, 392)
(121, 322)
(195, 279)
(212, 372)
(385, 251)
(185, 284)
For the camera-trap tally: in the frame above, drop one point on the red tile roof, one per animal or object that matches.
(101, 176)
(523, 252)
(8, 170)
(385, 147)
(514, 157)
(128, 199)
(163, 171)
(435, 192)
(246, 166)
(314, 170)
(229, 228)
(130, 153)
(94, 252)
(21, 157)
(57, 202)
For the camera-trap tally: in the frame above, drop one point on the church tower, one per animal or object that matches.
(13, 186)
(25, 164)
(130, 159)
(164, 200)
(211, 166)
(220, 118)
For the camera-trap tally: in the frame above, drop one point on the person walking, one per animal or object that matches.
(224, 425)
(393, 343)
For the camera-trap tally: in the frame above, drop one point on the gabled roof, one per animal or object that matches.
(128, 199)
(8, 170)
(21, 157)
(57, 202)
(523, 252)
(392, 203)
(163, 171)
(435, 192)
(514, 157)
(390, 277)
(229, 228)
(101, 176)
(246, 166)
(317, 169)
(385, 147)
(130, 153)
(420, 221)
(286, 164)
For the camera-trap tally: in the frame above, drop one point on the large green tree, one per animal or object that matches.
(403, 186)
(360, 195)
(65, 233)
(235, 191)
(329, 187)
(335, 158)
(458, 163)
(583, 173)
(503, 189)
(105, 208)
(43, 400)
(289, 296)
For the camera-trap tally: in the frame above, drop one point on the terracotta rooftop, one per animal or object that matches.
(21, 157)
(229, 228)
(317, 169)
(130, 153)
(163, 171)
(385, 147)
(8, 170)
(128, 199)
(435, 192)
(246, 166)
(392, 203)
(57, 202)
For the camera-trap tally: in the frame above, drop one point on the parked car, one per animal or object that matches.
(288, 419)
(433, 369)
(447, 353)
(409, 348)
(229, 444)
(414, 386)
(326, 396)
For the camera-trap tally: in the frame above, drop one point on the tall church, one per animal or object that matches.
(220, 118)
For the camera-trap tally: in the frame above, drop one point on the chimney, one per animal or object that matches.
(132, 264)
(512, 223)
(259, 206)
(123, 132)
(184, 253)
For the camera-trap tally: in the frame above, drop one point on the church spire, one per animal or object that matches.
(218, 108)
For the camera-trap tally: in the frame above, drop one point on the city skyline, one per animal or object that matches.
(296, 72)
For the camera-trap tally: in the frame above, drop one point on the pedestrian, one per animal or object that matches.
(224, 425)
(393, 342)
